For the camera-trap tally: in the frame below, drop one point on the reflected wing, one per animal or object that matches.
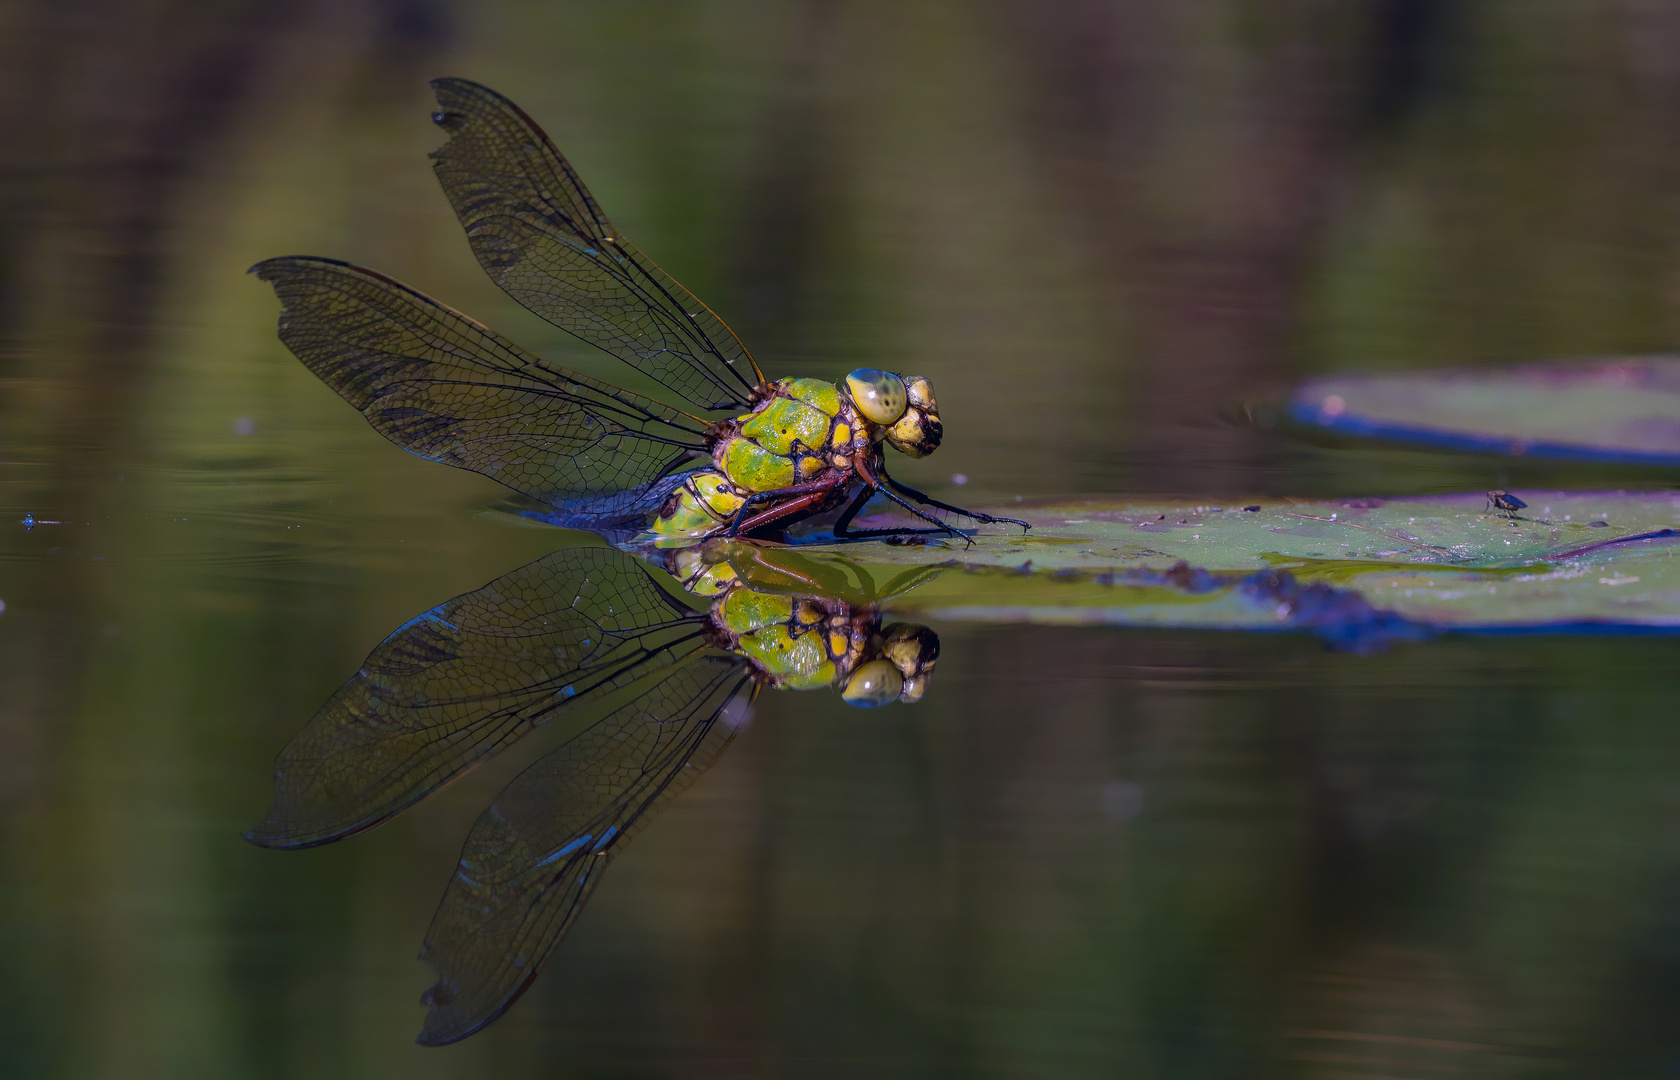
(532, 859)
(444, 387)
(465, 680)
(540, 235)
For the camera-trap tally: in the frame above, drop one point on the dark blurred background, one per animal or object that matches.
(1102, 228)
(1098, 225)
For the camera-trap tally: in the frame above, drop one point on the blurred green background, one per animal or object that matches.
(1101, 228)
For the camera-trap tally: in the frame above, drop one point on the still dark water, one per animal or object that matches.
(1086, 852)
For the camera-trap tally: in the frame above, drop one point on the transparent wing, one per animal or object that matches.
(533, 858)
(442, 386)
(540, 235)
(465, 680)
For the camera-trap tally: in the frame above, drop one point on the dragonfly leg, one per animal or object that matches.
(925, 500)
(942, 527)
(842, 531)
(800, 498)
(841, 527)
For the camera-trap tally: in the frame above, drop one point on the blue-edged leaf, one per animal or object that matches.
(1625, 410)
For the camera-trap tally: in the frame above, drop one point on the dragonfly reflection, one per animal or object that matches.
(471, 676)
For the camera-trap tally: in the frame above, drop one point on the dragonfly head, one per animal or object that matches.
(902, 406)
(918, 431)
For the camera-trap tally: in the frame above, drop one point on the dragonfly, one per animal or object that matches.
(744, 455)
(580, 629)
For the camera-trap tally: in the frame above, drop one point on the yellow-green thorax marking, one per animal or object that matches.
(792, 437)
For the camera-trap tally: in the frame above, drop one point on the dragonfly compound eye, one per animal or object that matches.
(879, 395)
(874, 684)
(918, 432)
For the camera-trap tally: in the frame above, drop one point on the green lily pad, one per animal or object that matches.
(1570, 560)
(1625, 410)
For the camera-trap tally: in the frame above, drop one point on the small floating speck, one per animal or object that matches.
(244, 426)
(959, 479)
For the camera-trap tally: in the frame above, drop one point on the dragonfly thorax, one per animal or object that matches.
(798, 433)
(802, 435)
(802, 431)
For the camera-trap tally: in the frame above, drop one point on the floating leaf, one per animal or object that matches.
(1570, 560)
(1624, 410)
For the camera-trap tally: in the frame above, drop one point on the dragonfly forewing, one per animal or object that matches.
(541, 236)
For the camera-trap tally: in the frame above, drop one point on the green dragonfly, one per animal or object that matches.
(578, 627)
(746, 455)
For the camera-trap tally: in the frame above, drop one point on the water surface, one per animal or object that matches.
(1087, 852)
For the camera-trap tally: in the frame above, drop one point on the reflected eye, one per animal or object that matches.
(874, 684)
(879, 395)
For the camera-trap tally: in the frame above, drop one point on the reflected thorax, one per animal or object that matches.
(804, 640)
(661, 664)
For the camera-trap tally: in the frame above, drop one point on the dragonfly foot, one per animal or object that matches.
(987, 519)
